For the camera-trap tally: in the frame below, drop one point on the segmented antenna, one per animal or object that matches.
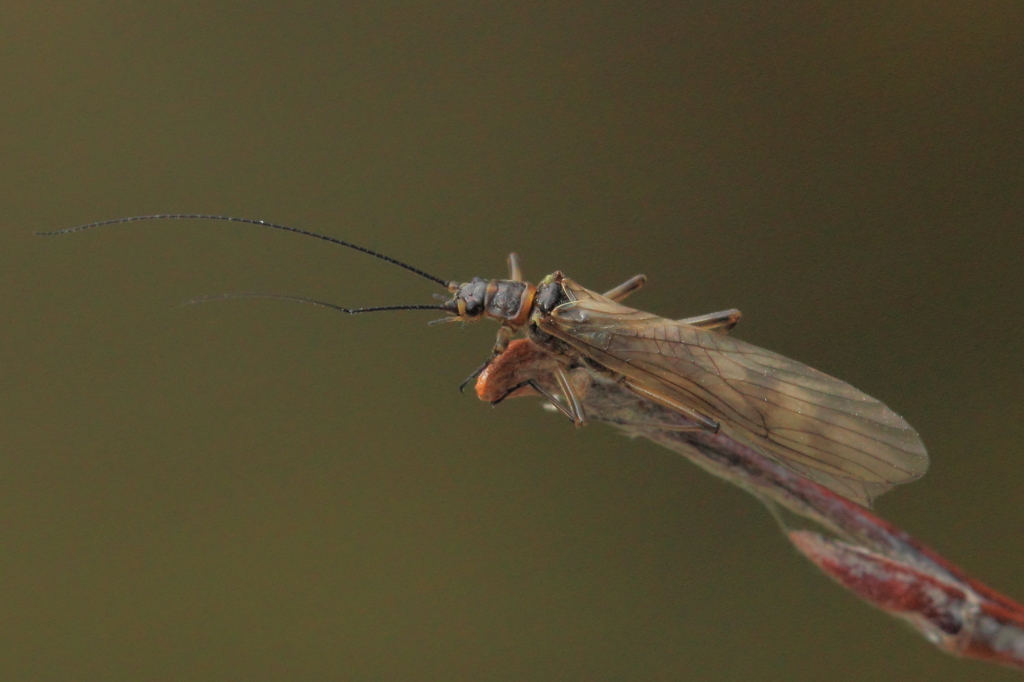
(248, 221)
(312, 301)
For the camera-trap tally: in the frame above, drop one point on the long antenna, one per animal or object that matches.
(230, 219)
(313, 301)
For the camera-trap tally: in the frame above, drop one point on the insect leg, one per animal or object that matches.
(681, 428)
(521, 384)
(476, 372)
(505, 335)
(551, 398)
(515, 272)
(573, 408)
(703, 421)
(723, 321)
(626, 288)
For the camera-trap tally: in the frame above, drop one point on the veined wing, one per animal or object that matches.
(813, 423)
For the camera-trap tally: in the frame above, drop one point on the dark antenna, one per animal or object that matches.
(248, 221)
(313, 301)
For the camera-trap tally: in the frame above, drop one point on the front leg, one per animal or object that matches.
(505, 334)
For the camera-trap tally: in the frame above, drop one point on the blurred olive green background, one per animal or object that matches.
(266, 491)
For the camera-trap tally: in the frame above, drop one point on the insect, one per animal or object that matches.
(812, 423)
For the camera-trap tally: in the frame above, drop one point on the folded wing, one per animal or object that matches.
(813, 423)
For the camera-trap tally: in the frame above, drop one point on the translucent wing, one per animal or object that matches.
(813, 423)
